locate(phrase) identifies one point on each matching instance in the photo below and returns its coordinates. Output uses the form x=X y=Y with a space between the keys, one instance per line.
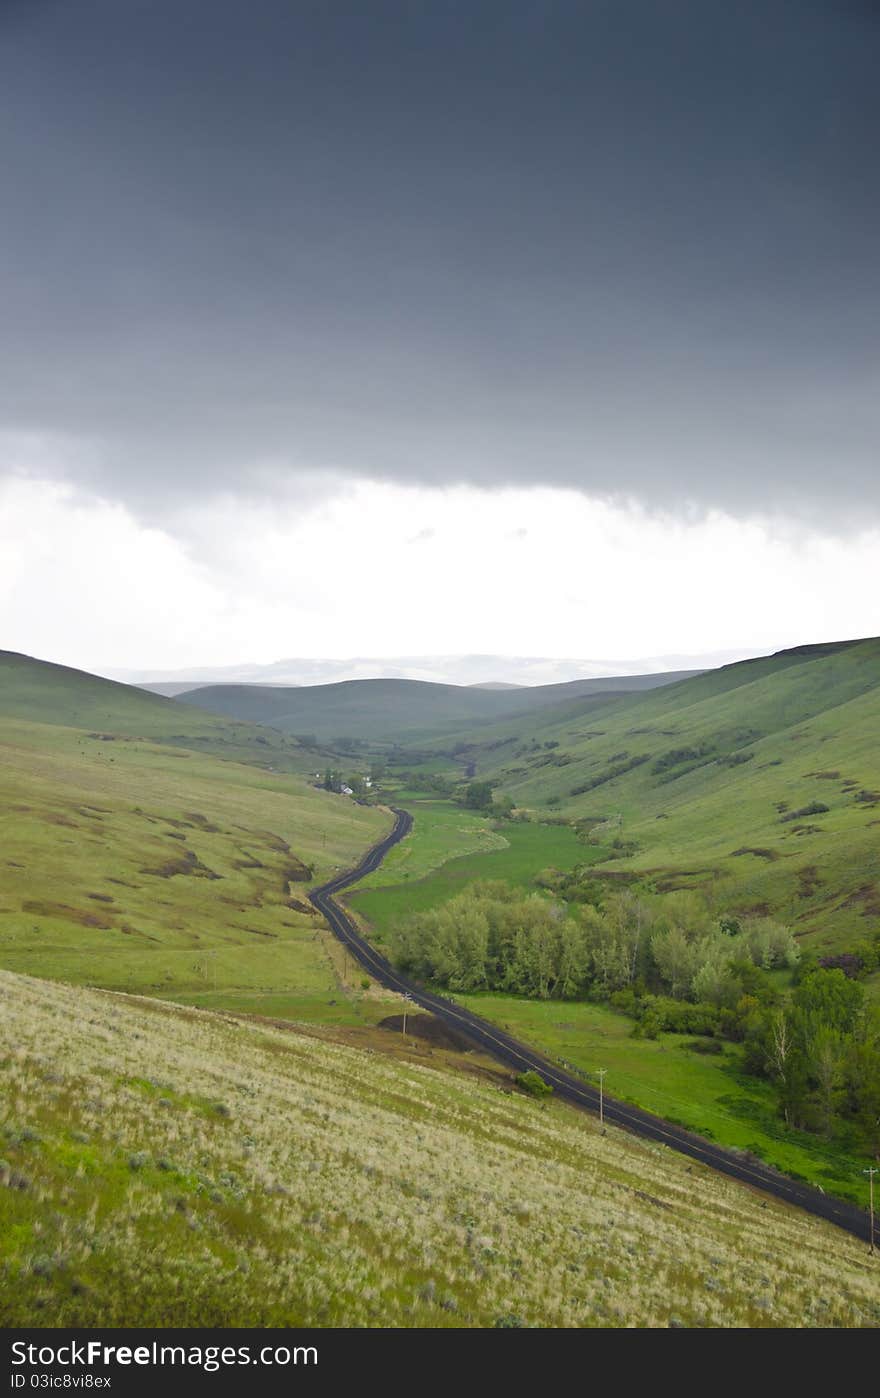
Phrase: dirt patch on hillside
x=375 y=1039
x=85 y=918
x=758 y=851
x=296 y=871
x=429 y=1030
x=188 y=864
x=672 y=880
x=809 y=881
x=869 y=798
x=867 y=897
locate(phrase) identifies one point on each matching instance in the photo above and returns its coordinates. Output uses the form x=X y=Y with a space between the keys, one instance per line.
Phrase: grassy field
x=526 y=849
x=135 y=863
x=704 y=1092
x=441 y=831
x=758 y=783
x=164 y=1166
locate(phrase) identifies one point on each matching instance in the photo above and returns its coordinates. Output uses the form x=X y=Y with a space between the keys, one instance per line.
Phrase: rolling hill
x=38 y=691
x=758 y=782
x=153 y=847
x=166 y=1167
x=388 y=709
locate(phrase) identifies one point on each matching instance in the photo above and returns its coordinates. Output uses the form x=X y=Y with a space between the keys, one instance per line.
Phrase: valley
x=151 y=849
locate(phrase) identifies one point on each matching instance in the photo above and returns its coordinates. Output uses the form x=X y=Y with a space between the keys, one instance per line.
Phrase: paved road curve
x=520 y=1057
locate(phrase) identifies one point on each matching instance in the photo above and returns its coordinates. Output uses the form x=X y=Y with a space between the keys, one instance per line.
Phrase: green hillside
x=40 y=692
x=759 y=783
x=387 y=709
x=137 y=853
x=171 y=1167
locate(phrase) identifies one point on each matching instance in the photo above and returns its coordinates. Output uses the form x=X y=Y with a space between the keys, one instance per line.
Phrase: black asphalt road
x=571 y=1089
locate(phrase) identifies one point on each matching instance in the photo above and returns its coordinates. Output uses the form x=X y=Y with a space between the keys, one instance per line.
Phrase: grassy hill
x=386 y=709
x=759 y=782
x=41 y=692
x=159 y=849
x=172 y=1167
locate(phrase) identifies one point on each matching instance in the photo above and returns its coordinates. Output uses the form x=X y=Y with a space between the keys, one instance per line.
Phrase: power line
x=871 y=1172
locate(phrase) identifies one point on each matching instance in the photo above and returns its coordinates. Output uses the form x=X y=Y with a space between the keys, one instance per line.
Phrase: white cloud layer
x=377 y=569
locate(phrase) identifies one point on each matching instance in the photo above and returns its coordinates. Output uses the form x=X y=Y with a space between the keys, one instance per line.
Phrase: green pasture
x=527 y=849
x=704 y=1092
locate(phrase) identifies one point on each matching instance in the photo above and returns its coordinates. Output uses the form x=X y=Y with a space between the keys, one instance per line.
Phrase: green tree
x=861 y=1075
x=677 y=960
x=478 y=796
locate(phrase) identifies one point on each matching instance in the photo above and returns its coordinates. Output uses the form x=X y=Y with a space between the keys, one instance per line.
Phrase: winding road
x=520 y=1057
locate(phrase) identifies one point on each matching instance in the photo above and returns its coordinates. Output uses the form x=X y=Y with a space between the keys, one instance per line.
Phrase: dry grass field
x=168 y=1166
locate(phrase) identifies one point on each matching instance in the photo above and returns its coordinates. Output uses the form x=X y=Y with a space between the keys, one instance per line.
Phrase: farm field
x=441 y=831
x=170 y=1166
x=526 y=849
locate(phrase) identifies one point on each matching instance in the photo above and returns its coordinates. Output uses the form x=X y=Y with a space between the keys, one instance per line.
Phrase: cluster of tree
x=671 y=966
x=821 y=1049
x=477 y=796
x=494 y=937
x=480 y=796
x=676 y=946
x=333 y=780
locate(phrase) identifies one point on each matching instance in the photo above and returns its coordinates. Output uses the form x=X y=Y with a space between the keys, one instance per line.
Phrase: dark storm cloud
x=628 y=246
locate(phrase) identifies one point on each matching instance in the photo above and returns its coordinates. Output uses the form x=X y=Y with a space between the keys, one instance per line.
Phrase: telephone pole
x=405 y=1008
x=871 y=1172
x=601 y=1072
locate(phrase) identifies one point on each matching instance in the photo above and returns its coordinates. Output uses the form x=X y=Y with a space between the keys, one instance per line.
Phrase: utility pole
x=405 y=1006
x=870 y=1173
x=602 y=1072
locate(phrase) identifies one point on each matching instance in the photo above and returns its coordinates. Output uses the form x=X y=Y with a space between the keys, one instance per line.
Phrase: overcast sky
x=538 y=327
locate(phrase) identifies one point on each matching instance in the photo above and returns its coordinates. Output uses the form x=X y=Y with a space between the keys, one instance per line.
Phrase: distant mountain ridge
x=466 y=670
x=388 y=709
